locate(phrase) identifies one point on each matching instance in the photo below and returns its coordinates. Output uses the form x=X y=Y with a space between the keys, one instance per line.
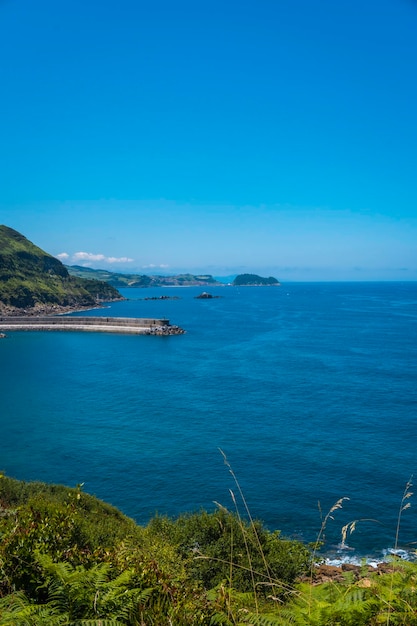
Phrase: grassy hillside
x=66 y=556
x=69 y=558
x=32 y=279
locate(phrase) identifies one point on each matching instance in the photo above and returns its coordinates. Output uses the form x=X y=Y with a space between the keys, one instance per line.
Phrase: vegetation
x=142 y=280
x=68 y=558
x=253 y=280
x=64 y=555
x=31 y=278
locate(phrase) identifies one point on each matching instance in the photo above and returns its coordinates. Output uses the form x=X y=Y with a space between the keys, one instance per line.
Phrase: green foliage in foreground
x=68 y=558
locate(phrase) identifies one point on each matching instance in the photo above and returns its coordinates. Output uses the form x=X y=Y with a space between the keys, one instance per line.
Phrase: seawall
x=126 y=325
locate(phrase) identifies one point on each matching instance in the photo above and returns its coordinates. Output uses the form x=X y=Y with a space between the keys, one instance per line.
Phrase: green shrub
x=221 y=547
x=61 y=522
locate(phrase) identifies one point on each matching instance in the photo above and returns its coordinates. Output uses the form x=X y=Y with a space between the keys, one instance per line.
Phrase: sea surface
x=309 y=389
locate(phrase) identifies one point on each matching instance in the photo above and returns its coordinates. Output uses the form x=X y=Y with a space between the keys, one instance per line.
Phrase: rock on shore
x=326 y=573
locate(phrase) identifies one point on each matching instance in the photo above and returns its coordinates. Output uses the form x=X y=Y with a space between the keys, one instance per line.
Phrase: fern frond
x=261 y=620
x=100 y=622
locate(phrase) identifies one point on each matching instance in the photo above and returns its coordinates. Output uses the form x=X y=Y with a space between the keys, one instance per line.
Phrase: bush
x=221 y=547
x=61 y=522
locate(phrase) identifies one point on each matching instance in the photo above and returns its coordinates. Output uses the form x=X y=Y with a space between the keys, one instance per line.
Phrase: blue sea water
x=308 y=388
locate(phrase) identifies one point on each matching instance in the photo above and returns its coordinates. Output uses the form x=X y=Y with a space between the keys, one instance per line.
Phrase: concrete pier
x=125 y=325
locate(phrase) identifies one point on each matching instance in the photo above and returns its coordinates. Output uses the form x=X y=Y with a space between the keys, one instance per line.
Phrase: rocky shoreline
x=41 y=309
x=332 y=573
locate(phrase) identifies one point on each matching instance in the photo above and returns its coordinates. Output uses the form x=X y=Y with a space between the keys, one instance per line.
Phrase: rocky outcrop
x=162 y=298
x=324 y=573
x=206 y=296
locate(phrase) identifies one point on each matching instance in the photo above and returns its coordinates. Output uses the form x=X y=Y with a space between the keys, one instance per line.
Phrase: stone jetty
x=125 y=325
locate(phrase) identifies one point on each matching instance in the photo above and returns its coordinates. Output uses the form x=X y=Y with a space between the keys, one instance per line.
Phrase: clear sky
x=270 y=136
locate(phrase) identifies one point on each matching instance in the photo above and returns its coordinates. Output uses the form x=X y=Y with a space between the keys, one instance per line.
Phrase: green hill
x=34 y=280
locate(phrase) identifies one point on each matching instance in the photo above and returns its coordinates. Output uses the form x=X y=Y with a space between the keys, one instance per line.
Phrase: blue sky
x=276 y=136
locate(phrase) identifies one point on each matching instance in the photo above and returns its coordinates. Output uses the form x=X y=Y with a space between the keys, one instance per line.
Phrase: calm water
x=310 y=389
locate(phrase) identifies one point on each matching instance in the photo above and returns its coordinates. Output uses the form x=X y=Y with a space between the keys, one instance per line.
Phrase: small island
x=253 y=280
x=206 y=296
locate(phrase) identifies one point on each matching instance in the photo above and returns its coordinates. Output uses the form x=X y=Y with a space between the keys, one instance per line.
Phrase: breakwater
x=126 y=325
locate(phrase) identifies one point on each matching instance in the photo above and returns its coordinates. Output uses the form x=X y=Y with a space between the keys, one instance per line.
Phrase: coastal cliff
x=33 y=281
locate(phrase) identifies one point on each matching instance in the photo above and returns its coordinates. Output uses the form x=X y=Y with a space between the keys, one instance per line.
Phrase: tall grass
x=363 y=597
x=404 y=505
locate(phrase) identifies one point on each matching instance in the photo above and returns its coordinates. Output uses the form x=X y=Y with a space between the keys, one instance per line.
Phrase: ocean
x=309 y=389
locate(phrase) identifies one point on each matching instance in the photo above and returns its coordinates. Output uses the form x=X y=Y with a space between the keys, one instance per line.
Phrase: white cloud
x=153 y=266
x=87 y=258
x=63 y=256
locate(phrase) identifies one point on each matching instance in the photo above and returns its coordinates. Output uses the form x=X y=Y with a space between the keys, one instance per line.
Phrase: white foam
x=340 y=556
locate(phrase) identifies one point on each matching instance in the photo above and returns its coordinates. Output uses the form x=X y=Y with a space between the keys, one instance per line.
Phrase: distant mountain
x=142 y=280
x=34 y=280
x=253 y=280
